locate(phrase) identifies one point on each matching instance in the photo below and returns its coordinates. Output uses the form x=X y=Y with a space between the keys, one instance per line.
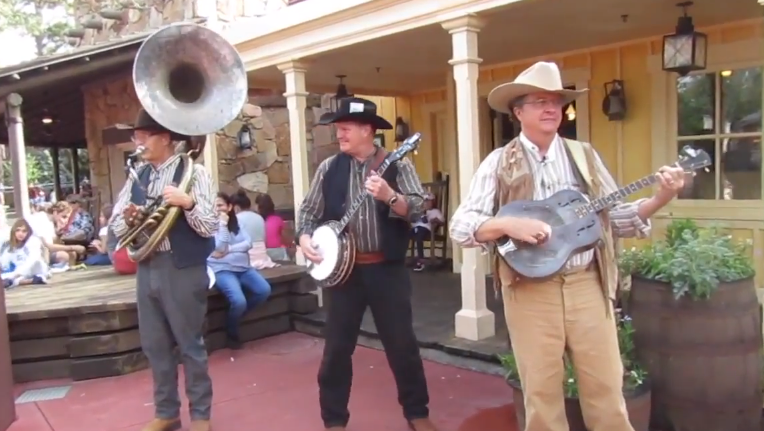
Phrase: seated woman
x=21 y=258
x=253 y=225
x=101 y=254
x=61 y=254
x=274 y=228
x=77 y=226
x=241 y=284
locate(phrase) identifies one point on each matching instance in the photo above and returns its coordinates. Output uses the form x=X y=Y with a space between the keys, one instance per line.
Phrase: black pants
x=420 y=234
x=386 y=289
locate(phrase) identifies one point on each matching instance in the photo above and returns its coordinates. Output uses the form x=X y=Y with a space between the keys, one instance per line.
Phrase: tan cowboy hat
x=541 y=77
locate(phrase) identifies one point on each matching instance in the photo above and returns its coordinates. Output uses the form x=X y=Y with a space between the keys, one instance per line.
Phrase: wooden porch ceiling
x=51 y=87
x=418 y=59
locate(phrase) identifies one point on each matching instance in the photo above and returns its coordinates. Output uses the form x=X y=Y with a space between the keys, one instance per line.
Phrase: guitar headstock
x=410 y=144
x=691 y=159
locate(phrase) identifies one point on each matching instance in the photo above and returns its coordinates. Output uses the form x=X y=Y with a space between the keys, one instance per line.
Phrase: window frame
x=717 y=137
x=739 y=54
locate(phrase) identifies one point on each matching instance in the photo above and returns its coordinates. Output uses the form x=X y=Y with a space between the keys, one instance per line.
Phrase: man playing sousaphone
x=173 y=282
x=571 y=311
x=379 y=279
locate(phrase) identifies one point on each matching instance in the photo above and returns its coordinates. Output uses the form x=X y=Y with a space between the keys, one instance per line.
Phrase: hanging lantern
x=401 y=130
x=244 y=138
x=342 y=93
x=614 y=103
x=571 y=112
x=685 y=50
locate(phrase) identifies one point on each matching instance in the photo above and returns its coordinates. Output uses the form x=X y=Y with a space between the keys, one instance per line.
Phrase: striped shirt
x=202 y=217
x=551 y=173
x=364 y=225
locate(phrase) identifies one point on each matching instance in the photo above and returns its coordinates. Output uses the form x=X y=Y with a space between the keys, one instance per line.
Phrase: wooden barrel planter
x=704 y=356
x=637 y=405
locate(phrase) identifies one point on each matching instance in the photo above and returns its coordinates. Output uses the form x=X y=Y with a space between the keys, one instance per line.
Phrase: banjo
x=574 y=221
x=336 y=245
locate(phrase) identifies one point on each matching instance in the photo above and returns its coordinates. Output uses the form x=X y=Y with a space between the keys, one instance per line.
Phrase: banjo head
x=329 y=247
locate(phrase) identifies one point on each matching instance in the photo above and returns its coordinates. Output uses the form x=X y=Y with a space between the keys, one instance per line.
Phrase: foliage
x=46 y=21
x=693 y=260
x=634 y=375
x=40 y=166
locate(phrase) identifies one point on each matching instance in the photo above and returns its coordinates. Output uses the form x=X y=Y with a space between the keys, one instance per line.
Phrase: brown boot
x=200 y=426
x=163 y=425
x=423 y=424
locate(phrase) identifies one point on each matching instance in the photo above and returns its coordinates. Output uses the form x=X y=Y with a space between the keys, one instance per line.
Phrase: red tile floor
x=271 y=385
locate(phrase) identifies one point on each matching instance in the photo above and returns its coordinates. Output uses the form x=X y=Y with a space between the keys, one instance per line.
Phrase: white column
x=474 y=321
x=296 y=95
x=15 y=124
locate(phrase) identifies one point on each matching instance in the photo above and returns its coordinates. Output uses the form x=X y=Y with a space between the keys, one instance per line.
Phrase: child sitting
x=422 y=229
x=102 y=252
x=21 y=258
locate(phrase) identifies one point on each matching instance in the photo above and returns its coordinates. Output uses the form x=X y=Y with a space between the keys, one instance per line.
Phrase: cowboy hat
x=542 y=77
x=357 y=110
x=144 y=121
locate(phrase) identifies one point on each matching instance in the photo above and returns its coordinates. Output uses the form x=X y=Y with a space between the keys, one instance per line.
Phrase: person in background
x=79 y=225
x=241 y=284
x=422 y=229
x=103 y=247
x=44 y=227
x=274 y=228
x=21 y=257
x=253 y=224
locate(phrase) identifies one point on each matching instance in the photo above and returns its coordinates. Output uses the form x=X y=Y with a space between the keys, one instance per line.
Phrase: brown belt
x=369 y=258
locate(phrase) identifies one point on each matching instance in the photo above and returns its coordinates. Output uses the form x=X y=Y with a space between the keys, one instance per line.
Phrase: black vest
x=394 y=232
x=187 y=247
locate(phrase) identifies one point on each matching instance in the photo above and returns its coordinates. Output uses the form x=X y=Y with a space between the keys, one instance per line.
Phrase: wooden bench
x=84 y=324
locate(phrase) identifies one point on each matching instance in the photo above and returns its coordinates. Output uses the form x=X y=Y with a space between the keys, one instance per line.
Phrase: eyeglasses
x=546 y=103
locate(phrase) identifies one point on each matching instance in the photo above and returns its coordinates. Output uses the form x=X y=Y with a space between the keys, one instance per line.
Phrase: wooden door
x=7 y=408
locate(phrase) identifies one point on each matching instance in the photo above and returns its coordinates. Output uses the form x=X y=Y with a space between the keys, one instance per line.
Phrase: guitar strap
x=578 y=154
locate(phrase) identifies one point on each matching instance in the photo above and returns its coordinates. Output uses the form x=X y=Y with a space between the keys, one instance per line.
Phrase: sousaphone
x=192 y=82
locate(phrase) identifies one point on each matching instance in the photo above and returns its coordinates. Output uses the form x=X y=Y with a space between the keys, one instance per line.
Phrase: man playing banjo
x=571 y=311
x=379 y=279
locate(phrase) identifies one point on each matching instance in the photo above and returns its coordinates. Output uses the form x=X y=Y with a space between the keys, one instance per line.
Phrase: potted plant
x=636 y=388
x=697 y=328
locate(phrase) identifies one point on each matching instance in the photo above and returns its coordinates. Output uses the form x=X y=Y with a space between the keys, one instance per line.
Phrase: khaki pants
x=546 y=318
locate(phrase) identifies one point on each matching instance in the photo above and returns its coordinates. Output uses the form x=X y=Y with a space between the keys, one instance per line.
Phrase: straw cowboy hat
x=541 y=77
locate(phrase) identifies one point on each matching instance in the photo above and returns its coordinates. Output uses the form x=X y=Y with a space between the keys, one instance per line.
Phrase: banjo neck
x=361 y=199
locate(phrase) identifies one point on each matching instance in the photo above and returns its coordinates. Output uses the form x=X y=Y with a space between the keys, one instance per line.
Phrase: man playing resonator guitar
x=571 y=310
x=379 y=279
x=173 y=282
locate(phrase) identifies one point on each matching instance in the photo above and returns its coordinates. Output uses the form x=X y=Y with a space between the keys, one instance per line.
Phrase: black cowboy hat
x=144 y=121
x=356 y=110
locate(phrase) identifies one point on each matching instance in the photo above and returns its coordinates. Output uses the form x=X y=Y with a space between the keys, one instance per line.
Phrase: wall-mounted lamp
x=570 y=112
x=245 y=138
x=614 y=103
x=725 y=73
x=686 y=49
x=401 y=130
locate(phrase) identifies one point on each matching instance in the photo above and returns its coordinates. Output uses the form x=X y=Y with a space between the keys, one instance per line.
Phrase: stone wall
x=142 y=15
x=266 y=168
x=106 y=103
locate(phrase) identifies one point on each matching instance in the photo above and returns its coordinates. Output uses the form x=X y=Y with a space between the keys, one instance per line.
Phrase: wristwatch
x=393 y=200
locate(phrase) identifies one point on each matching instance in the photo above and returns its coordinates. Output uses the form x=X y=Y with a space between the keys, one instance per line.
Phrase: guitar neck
x=361 y=199
x=619 y=195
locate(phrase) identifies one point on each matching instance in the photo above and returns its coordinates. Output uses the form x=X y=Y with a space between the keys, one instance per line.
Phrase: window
x=720 y=112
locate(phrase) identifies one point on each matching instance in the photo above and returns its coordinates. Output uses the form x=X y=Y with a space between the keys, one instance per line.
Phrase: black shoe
x=233 y=343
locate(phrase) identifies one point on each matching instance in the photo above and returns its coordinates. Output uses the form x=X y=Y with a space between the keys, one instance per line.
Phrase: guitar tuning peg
x=707 y=170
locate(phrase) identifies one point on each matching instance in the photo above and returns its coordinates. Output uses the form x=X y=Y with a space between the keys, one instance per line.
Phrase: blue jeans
x=98 y=259
x=244 y=291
